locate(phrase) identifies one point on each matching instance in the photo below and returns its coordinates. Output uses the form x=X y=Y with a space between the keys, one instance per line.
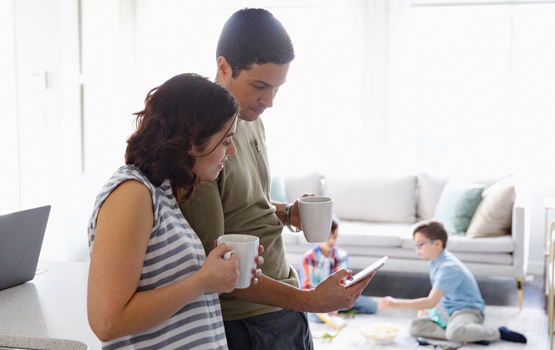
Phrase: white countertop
x=52 y=305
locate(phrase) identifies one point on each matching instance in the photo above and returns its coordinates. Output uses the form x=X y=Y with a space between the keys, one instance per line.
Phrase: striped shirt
x=316 y=267
x=174 y=252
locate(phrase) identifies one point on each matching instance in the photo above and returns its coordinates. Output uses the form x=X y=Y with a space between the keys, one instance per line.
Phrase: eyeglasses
x=419 y=245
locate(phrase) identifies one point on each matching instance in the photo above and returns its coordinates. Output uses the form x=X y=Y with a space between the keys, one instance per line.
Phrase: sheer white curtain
x=384 y=21
x=332 y=115
x=475 y=92
x=376 y=85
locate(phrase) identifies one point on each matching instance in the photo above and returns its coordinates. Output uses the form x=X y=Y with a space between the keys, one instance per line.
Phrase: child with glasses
x=322 y=261
x=460 y=315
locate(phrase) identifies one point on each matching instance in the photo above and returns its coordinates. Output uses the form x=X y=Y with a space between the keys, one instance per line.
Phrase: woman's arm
x=124 y=225
x=415 y=304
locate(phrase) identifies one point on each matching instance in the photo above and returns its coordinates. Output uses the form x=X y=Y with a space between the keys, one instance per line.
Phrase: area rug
x=529 y=322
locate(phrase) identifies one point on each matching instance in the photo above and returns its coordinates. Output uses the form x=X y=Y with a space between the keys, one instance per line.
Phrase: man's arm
x=415 y=304
x=295 y=218
x=328 y=296
x=205 y=214
x=280 y=208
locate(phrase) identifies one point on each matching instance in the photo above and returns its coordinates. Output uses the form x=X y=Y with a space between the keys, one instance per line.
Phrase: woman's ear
x=193 y=151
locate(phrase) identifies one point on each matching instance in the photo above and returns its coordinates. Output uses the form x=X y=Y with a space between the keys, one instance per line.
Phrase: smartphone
x=366 y=272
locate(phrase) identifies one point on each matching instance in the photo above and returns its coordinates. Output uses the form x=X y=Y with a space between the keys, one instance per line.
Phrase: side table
x=549 y=268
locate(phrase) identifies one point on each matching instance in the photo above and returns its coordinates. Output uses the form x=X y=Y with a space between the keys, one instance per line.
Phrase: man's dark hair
x=254 y=36
x=431 y=229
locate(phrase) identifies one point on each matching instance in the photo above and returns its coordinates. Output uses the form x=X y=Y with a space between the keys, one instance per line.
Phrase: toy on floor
x=335 y=321
x=443 y=345
x=350 y=314
x=327 y=336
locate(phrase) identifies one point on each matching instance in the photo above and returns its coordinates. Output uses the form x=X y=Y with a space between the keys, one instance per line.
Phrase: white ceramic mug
x=246 y=249
x=316 y=213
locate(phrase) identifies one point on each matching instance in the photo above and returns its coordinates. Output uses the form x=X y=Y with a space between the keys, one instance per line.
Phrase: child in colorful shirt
x=322 y=261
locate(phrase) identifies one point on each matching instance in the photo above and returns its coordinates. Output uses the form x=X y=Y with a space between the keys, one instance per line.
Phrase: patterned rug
x=530 y=322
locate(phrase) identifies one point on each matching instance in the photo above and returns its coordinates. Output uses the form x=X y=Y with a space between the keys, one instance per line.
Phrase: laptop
x=21 y=236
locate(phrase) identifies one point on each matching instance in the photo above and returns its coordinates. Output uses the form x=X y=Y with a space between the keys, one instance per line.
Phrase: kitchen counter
x=52 y=305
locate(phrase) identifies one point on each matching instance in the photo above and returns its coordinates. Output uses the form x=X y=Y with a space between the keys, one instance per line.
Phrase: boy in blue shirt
x=455 y=286
x=326 y=259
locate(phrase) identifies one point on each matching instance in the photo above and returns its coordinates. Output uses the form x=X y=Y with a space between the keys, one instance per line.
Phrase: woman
x=150 y=281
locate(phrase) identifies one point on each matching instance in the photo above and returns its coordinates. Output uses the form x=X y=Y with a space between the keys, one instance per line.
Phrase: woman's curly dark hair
x=184 y=111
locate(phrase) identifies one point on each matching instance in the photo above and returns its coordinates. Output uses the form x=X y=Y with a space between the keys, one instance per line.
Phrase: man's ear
x=224 y=68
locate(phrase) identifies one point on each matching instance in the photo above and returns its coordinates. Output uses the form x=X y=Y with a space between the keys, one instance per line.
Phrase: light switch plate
x=38 y=80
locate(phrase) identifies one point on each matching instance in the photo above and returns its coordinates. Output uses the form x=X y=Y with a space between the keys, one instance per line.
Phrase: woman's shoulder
x=127 y=171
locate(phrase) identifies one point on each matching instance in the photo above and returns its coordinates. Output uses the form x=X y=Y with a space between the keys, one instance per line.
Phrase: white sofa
x=376 y=214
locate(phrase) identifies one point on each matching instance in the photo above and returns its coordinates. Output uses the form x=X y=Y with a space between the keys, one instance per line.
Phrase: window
x=373 y=87
x=476 y=90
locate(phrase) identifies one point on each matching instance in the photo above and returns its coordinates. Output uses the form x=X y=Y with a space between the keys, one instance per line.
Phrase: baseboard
x=535 y=267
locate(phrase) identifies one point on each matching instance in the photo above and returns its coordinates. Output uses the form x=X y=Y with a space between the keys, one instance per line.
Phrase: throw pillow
x=494 y=215
x=277 y=190
x=429 y=190
x=298 y=184
x=457 y=204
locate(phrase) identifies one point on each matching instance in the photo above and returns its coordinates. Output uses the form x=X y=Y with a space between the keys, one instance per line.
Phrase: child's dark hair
x=334 y=223
x=431 y=229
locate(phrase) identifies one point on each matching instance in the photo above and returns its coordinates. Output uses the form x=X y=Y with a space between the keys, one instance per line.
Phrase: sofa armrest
x=521 y=238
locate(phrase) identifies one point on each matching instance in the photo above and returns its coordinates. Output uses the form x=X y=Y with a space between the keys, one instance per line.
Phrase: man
x=253 y=57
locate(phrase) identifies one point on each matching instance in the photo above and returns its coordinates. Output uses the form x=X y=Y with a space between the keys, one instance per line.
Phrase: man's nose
x=267 y=98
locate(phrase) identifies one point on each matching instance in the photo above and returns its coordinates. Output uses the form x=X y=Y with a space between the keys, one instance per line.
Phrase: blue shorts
x=284 y=329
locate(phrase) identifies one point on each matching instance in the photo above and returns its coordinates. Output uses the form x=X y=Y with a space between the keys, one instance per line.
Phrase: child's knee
x=454 y=333
x=416 y=325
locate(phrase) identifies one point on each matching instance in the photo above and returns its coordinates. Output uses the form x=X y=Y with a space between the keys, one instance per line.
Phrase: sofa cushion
x=299 y=184
x=371 y=234
x=289 y=237
x=395 y=252
x=358 y=233
x=429 y=190
x=457 y=204
x=502 y=244
x=373 y=198
x=494 y=214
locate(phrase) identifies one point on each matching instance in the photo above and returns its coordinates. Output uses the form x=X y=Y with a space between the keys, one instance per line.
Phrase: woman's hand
x=259 y=261
x=217 y=274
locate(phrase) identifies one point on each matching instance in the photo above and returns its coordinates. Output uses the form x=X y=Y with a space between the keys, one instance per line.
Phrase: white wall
x=40 y=130
x=45 y=142
x=9 y=140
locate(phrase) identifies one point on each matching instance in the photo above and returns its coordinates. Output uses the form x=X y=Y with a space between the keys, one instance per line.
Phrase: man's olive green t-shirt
x=238 y=202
